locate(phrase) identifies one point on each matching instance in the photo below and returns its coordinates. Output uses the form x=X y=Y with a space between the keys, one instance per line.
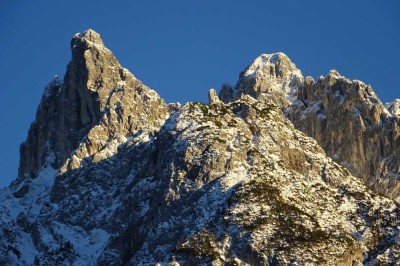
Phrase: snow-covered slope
x=196 y=184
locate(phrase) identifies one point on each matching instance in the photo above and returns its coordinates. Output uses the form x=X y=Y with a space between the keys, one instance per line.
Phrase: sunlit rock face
x=274 y=75
x=97 y=101
x=112 y=175
x=353 y=126
x=345 y=116
x=394 y=107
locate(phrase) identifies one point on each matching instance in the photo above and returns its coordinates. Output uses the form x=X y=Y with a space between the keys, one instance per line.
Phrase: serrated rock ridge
x=271 y=74
x=125 y=179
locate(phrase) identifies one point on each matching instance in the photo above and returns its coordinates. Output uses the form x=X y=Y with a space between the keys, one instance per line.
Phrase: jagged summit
x=394 y=107
x=327 y=110
x=272 y=74
x=63 y=119
x=89 y=37
x=275 y=65
x=333 y=73
x=93 y=85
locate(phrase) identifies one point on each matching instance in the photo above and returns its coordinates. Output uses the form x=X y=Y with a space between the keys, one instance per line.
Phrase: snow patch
x=88 y=245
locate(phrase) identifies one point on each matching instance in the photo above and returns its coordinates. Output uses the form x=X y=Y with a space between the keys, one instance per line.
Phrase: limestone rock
x=140 y=182
x=346 y=117
x=271 y=74
x=213 y=97
x=394 y=107
x=96 y=91
x=353 y=126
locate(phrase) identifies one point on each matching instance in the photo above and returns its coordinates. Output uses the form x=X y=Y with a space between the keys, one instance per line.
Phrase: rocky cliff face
x=354 y=127
x=139 y=182
x=69 y=109
x=394 y=107
x=274 y=75
x=92 y=106
x=346 y=117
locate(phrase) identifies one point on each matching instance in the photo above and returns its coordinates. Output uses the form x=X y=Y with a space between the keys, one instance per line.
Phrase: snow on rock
x=232 y=182
x=350 y=122
x=24 y=211
x=274 y=75
x=394 y=107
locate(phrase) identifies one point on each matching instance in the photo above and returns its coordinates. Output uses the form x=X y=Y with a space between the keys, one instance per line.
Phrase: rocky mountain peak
x=394 y=107
x=94 y=61
x=95 y=89
x=327 y=110
x=350 y=122
x=273 y=65
x=332 y=76
x=88 y=38
x=274 y=75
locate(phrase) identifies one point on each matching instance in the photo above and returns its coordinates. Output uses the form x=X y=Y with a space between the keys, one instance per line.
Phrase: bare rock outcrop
x=394 y=107
x=353 y=126
x=271 y=74
x=96 y=90
x=345 y=116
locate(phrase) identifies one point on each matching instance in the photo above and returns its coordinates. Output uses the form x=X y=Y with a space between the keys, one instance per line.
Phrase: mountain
x=112 y=175
x=353 y=126
x=345 y=117
x=274 y=75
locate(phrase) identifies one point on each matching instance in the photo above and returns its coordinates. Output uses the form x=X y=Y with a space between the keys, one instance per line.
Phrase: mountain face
x=345 y=117
x=278 y=170
x=98 y=103
x=270 y=74
x=353 y=126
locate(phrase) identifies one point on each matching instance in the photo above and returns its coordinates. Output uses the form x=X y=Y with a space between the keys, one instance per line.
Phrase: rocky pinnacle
x=94 y=86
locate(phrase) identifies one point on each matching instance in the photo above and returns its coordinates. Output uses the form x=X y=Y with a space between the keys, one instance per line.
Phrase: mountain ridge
x=232 y=182
x=319 y=107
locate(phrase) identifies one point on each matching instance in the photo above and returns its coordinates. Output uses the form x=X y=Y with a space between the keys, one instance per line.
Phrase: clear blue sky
x=182 y=48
